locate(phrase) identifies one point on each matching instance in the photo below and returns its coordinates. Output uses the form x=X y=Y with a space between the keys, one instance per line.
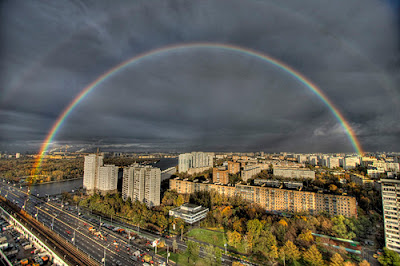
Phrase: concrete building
x=362 y=180
x=375 y=172
x=233 y=167
x=142 y=183
x=350 y=162
x=313 y=160
x=294 y=173
x=108 y=179
x=195 y=160
x=275 y=199
x=220 y=175
x=301 y=158
x=190 y=213
x=91 y=172
x=391 y=212
x=17 y=155
x=249 y=171
x=333 y=162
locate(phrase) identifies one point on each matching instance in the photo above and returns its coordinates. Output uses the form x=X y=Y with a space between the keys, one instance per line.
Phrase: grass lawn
x=212 y=237
x=178 y=258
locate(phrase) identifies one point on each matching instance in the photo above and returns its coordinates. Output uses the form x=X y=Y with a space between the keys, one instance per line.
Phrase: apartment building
x=294 y=173
x=276 y=199
x=220 y=175
x=350 y=162
x=333 y=162
x=233 y=167
x=391 y=212
x=195 y=160
x=108 y=179
x=142 y=183
x=98 y=177
x=249 y=171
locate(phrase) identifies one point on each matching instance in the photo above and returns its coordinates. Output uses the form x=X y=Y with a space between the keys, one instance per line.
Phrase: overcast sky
x=200 y=98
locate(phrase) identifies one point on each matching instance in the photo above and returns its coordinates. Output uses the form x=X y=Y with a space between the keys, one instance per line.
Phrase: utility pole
x=167 y=254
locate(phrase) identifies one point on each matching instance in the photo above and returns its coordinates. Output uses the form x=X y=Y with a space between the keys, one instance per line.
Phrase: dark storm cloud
x=203 y=99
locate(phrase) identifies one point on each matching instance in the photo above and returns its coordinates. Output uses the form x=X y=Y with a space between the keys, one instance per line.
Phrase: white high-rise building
x=17 y=155
x=91 y=172
x=350 y=162
x=108 y=179
x=195 y=160
x=333 y=162
x=142 y=183
x=391 y=213
x=98 y=177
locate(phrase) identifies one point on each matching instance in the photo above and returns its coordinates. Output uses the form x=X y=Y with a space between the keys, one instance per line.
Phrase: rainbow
x=136 y=59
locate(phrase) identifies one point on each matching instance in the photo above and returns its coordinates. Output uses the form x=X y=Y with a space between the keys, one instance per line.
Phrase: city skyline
x=203 y=98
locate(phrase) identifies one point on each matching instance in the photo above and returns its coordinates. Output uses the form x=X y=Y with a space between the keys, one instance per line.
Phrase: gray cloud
x=203 y=98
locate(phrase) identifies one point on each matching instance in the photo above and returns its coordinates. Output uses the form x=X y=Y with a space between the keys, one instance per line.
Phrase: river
x=74 y=185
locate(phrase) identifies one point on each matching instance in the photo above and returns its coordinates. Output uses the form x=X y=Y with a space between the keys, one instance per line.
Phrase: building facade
x=220 y=175
x=91 y=172
x=195 y=160
x=391 y=212
x=233 y=167
x=142 y=183
x=249 y=171
x=350 y=162
x=294 y=173
x=276 y=199
x=190 y=213
x=333 y=162
x=108 y=179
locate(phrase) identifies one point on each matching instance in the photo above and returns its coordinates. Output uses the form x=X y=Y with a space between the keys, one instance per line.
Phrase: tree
x=304 y=239
x=192 y=251
x=289 y=252
x=313 y=257
x=218 y=256
x=364 y=263
x=209 y=250
x=174 y=246
x=336 y=260
x=332 y=187
x=180 y=200
x=234 y=238
x=254 y=227
x=389 y=257
x=273 y=253
x=341 y=227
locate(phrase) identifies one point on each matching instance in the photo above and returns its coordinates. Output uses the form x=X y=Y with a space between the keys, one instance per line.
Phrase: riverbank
x=52 y=182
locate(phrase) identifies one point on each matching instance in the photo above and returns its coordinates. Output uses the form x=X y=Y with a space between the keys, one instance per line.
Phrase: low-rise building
x=190 y=213
x=294 y=173
x=362 y=180
x=276 y=199
x=249 y=171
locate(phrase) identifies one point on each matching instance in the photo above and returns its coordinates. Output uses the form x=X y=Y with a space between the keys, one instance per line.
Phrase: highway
x=67 y=225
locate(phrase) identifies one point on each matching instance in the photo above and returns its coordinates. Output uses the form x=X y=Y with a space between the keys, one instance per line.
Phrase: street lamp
x=104 y=258
x=73 y=239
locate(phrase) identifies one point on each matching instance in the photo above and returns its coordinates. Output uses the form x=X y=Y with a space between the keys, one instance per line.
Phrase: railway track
x=64 y=249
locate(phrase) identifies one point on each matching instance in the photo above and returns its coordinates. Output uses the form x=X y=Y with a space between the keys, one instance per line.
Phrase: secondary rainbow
x=136 y=59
